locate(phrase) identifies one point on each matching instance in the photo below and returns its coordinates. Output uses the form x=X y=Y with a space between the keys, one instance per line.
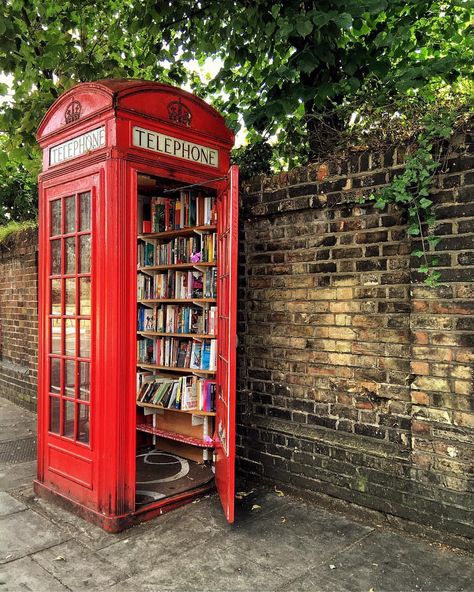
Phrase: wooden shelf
x=189 y=411
x=178 y=232
x=175 y=369
x=149 y=429
x=178 y=266
x=190 y=335
x=178 y=300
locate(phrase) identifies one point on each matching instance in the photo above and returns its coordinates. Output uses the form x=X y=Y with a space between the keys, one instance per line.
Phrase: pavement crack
x=54 y=576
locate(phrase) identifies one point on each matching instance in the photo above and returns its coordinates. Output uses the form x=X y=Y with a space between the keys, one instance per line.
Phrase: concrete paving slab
x=24 y=574
x=171 y=534
x=24 y=533
x=88 y=534
x=9 y=505
x=15 y=431
x=202 y=567
x=11 y=412
x=385 y=560
x=292 y=538
x=77 y=567
x=317 y=582
x=15 y=422
x=268 y=501
x=14 y=476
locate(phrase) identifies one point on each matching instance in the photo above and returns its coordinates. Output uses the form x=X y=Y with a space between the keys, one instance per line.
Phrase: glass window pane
x=84 y=380
x=83 y=424
x=56 y=341
x=70 y=297
x=85 y=253
x=55 y=217
x=69 y=377
x=84 y=339
x=85 y=211
x=54 y=411
x=56 y=297
x=70 y=219
x=56 y=257
x=55 y=376
x=85 y=296
x=70 y=255
x=70 y=325
x=68 y=419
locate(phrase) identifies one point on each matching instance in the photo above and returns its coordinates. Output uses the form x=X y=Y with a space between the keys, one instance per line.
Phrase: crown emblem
x=73 y=111
x=179 y=113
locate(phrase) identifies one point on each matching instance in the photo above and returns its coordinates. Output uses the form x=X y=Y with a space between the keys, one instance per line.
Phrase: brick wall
x=355 y=379
x=19 y=318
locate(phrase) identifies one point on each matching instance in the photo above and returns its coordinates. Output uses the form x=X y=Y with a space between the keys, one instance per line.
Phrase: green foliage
x=411 y=189
x=290 y=64
x=293 y=71
x=253 y=159
x=13 y=228
x=18 y=193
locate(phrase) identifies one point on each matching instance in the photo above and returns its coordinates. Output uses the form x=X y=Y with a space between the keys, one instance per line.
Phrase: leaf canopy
x=290 y=71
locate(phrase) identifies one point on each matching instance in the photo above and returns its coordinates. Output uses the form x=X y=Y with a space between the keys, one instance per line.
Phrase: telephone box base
x=114 y=524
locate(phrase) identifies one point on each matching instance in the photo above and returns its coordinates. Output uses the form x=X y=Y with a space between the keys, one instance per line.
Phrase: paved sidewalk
x=278 y=543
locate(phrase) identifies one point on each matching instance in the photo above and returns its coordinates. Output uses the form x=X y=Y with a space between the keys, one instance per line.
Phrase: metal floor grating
x=18 y=451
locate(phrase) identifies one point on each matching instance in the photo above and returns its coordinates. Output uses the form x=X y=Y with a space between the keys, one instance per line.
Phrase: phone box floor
x=163 y=474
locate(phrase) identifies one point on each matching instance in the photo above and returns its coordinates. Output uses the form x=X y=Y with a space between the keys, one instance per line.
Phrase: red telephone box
x=137 y=302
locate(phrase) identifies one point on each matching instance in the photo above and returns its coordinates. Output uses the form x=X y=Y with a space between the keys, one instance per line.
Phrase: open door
x=227 y=236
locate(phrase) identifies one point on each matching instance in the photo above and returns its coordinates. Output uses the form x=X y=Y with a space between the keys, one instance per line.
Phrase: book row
x=194 y=249
x=172 y=213
x=176 y=318
x=177 y=352
x=177 y=284
x=186 y=392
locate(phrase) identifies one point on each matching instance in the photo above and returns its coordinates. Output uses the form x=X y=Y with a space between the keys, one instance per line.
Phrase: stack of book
x=194 y=249
x=186 y=392
x=178 y=353
x=189 y=209
x=176 y=318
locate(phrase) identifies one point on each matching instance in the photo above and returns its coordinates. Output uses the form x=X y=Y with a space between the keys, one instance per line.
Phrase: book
x=206 y=355
x=189 y=398
x=196 y=353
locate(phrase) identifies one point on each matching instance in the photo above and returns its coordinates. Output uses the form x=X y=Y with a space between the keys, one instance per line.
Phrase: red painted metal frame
x=107 y=496
x=227 y=233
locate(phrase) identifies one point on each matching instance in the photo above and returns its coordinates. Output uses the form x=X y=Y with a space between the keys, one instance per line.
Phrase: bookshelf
x=177 y=266
x=177 y=317
x=174 y=368
x=178 y=300
x=177 y=436
x=194 y=412
x=164 y=334
x=188 y=231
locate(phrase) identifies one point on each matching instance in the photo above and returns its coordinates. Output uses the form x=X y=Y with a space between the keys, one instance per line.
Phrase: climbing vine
x=411 y=189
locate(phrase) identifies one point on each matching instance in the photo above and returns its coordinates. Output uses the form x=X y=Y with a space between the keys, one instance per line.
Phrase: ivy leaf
x=344 y=20
x=413 y=230
x=425 y=203
x=433 y=241
x=417 y=253
x=304 y=27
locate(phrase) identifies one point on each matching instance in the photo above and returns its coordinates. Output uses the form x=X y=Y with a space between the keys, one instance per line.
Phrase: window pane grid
x=70 y=317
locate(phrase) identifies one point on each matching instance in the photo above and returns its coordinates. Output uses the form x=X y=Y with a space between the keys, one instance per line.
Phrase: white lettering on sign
x=77 y=146
x=157 y=142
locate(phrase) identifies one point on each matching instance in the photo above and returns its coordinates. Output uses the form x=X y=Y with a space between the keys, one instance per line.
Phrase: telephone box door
x=227 y=233
x=65 y=348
